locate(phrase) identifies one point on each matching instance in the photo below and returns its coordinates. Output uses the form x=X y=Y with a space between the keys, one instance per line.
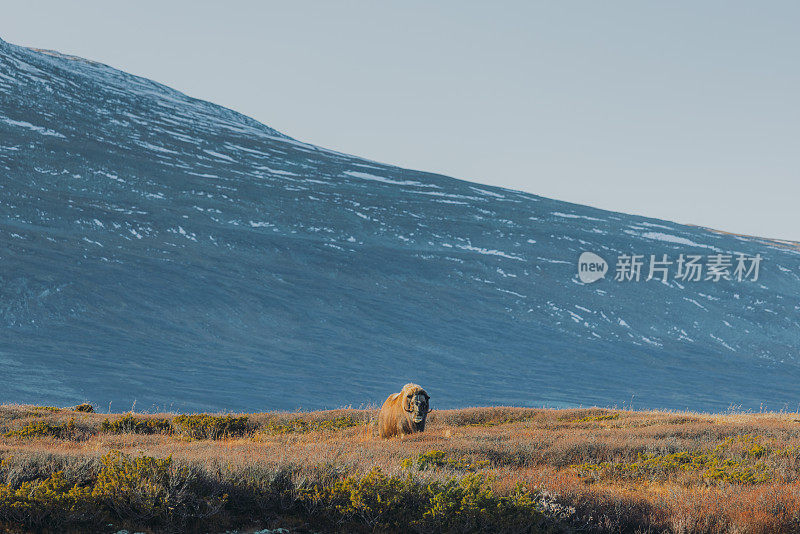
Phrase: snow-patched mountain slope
x=164 y=250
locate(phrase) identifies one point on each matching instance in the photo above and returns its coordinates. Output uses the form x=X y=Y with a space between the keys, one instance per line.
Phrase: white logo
x=591 y=267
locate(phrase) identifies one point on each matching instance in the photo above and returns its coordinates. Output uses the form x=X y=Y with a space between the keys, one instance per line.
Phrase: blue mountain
x=165 y=251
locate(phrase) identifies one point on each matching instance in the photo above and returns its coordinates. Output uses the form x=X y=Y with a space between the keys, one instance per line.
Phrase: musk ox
x=404 y=412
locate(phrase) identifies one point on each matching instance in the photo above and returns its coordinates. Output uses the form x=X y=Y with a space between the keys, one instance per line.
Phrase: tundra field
x=472 y=470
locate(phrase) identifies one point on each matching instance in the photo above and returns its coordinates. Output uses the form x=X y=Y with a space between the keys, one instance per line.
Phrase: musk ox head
x=416 y=402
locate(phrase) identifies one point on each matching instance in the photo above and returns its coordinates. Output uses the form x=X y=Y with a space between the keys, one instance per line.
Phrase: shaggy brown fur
x=404 y=412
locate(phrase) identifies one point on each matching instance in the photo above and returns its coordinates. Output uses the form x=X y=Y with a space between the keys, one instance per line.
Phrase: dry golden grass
x=592 y=469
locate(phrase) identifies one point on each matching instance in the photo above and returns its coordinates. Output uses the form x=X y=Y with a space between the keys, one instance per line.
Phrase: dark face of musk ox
x=416 y=404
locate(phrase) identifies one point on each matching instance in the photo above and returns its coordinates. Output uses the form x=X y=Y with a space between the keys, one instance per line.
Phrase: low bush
x=159 y=495
x=46 y=409
x=205 y=426
x=148 y=490
x=131 y=490
x=438 y=459
x=130 y=424
x=722 y=464
x=301 y=426
x=49 y=502
x=402 y=504
x=488 y=417
x=596 y=418
x=43 y=428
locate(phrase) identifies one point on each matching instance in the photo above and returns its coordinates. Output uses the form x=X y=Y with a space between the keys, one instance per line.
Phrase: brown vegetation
x=491 y=469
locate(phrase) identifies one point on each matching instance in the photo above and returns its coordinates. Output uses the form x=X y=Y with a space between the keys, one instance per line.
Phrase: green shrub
x=43 y=428
x=136 y=490
x=470 y=505
x=401 y=504
x=605 y=417
x=158 y=495
x=301 y=426
x=46 y=409
x=85 y=408
x=130 y=424
x=490 y=417
x=205 y=426
x=151 y=490
x=592 y=418
x=720 y=464
x=47 y=503
x=377 y=500
x=434 y=459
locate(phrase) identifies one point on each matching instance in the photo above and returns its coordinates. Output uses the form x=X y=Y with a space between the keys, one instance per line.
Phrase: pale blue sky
x=687 y=111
